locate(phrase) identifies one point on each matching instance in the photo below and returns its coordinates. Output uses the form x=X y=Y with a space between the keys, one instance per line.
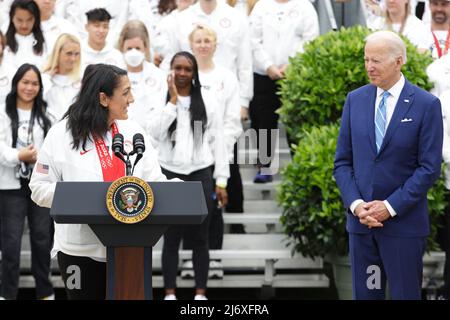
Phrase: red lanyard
x=112 y=167
x=438 y=46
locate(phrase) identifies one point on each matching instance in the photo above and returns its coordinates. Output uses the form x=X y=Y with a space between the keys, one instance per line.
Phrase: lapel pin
x=406 y=100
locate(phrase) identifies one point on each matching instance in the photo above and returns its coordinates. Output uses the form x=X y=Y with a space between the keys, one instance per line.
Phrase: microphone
x=138 y=148
x=117 y=146
x=138 y=144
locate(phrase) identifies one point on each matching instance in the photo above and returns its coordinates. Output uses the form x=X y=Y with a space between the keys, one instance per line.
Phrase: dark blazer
x=407 y=165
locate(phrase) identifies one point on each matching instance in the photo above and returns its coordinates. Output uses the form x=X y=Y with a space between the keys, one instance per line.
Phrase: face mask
x=134 y=57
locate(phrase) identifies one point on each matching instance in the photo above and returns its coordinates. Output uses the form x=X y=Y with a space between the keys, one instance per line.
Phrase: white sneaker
x=1 y=298
x=50 y=297
x=215 y=270
x=187 y=270
x=170 y=297
x=200 y=297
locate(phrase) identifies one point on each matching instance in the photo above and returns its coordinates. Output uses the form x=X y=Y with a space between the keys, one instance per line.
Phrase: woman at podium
x=72 y=151
x=191 y=147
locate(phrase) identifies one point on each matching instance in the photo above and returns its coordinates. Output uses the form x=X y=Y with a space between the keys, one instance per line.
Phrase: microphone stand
x=129 y=167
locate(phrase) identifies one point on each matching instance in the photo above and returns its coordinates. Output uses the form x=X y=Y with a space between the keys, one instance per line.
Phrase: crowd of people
x=191 y=72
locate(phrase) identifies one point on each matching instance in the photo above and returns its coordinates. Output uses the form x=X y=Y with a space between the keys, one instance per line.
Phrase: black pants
x=197 y=235
x=16 y=205
x=84 y=278
x=262 y=115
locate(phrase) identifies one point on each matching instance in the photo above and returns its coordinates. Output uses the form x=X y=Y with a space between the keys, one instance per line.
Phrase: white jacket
x=121 y=11
x=25 y=53
x=53 y=28
x=149 y=92
x=6 y=75
x=223 y=85
x=9 y=156
x=67 y=164
x=59 y=92
x=280 y=30
x=186 y=156
x=439 y=73
x=233 y=41
x=108 y=55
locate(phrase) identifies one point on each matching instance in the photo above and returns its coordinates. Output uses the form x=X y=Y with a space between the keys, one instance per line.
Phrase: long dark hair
x=31 y=7
x=39 y=105
x=86 y=116
x=197 y=108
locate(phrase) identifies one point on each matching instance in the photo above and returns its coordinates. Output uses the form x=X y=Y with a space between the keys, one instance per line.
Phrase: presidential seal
x=129 y=200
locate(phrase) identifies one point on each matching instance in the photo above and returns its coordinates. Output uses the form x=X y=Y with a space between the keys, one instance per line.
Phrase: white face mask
x=134 y=57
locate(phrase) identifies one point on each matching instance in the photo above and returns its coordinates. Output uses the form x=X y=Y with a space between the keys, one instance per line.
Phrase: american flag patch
x=42 y=168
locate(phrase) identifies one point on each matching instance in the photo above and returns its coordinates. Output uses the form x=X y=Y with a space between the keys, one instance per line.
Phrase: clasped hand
x=372 y=214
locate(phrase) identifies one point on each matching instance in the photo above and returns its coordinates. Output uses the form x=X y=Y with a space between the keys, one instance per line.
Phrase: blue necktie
x=380 y=121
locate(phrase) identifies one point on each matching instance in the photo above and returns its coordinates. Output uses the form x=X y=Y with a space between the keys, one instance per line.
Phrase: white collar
x=395 y=90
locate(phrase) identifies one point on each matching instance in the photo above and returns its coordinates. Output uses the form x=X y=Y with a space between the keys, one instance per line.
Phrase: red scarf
x=112 y=168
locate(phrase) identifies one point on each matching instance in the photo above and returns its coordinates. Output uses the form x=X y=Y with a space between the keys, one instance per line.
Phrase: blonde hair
x=210 y=32
x=250 y=4
x=135 y=29
x=53 y=59
x=407 y=13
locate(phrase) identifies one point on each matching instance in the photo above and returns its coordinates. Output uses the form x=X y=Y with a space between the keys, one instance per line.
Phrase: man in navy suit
x=388 y=155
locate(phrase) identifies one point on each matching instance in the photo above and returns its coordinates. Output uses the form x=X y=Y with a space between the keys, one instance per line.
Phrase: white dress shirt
x=391 y=102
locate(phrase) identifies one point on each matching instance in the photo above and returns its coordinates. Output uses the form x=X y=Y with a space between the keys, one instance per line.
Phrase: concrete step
x=257 y=206
x=228 y=281
x=252 y=218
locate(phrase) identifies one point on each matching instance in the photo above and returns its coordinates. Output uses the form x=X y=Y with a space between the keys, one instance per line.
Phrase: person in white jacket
x=121 y=11
x=190 y=141
x=233 y=41
x=24 y=38
x=53 y=26
x=164 y=39
x=70 y=153
x=62 y=75
x=96 y=49
x=224 y=86
x=279 y=30
x=148 y=83
x=24 y=123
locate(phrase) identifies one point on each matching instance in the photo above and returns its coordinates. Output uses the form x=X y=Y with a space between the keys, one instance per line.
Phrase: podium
x=129 y=246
